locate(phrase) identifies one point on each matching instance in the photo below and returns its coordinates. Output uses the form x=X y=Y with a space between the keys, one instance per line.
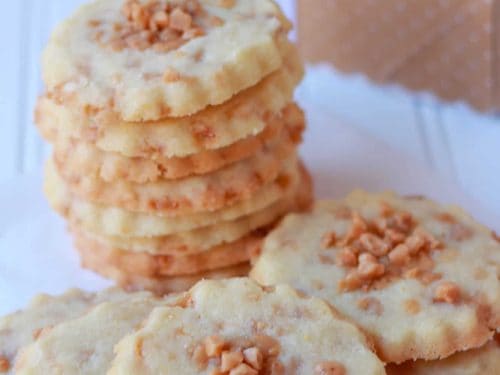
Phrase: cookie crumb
x=200 y=356
x=383 y=249
x=268 y=345
x=373 y=244
x=154 y=24
x=239 y=357
x=347 y=258
x=253 y=356
x=214 y=346
x=230 y=360
x=412 y=306
x=448 y=292
x=180 y=20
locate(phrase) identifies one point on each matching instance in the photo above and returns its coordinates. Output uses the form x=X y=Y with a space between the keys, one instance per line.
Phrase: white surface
x=36 y=253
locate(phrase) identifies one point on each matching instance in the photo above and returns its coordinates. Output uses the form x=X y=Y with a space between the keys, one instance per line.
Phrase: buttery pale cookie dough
x=419 y=278
x=482 y=361
x=85 y=345
x=246 y=114
x=237 y=327
x=115 y=221
x=149 y=60
x=98 y=255
x=209 y=192
x=282 y=133
x=102 y=256
x=44 y=311
x=202 y=239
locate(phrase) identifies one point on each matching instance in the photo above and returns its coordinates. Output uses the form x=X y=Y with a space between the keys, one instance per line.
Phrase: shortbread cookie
x=150 y=60
x=101 y=255
x=245 y=115
x=22 y=327
x=205 y=238
x=165 y=284
x=237 y=327
x=420 y=278
x=119 y=222
x=111 y=166
x=482 y=361
x=85 y=345
x=210 y=192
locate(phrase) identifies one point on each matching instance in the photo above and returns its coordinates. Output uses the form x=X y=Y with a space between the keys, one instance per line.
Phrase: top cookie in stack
x=174 y=133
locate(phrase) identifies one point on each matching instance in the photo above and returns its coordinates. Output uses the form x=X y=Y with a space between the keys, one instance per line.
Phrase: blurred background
x=454 y=140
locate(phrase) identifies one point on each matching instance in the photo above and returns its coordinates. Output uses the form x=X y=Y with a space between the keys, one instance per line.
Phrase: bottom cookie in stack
x=166 y=254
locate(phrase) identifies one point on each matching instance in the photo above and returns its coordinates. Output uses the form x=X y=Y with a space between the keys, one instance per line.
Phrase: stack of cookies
x=174 y=133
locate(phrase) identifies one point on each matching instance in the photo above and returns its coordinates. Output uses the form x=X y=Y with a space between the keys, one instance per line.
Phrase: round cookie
x=235 y=326
x=22 y=327
x=116 y=221
x=421 y=279
x=210 y=192
x=205 y=238
x=135 y=268
x=101 y=255
x=85 y=345
x=166 y=58
x=113 y=166
x=245 y=115
x=482 y=361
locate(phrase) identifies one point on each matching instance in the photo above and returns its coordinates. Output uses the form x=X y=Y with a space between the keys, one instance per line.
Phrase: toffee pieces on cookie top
x=388 y=247
x=237 y=327
x=163 y=26
x=396 y=266
x=247 y=357
x=250 y=357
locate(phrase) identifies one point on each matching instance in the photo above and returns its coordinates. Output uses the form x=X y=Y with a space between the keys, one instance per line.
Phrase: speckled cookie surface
x=149 y=60
x=209 y=192
x=202 y=239
x=22 y=327
x=85 y=345
x=235 y=326
x=421 y=279
x=245 y=115
x=100 y=255
x=109 y=166
x=116 y=221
